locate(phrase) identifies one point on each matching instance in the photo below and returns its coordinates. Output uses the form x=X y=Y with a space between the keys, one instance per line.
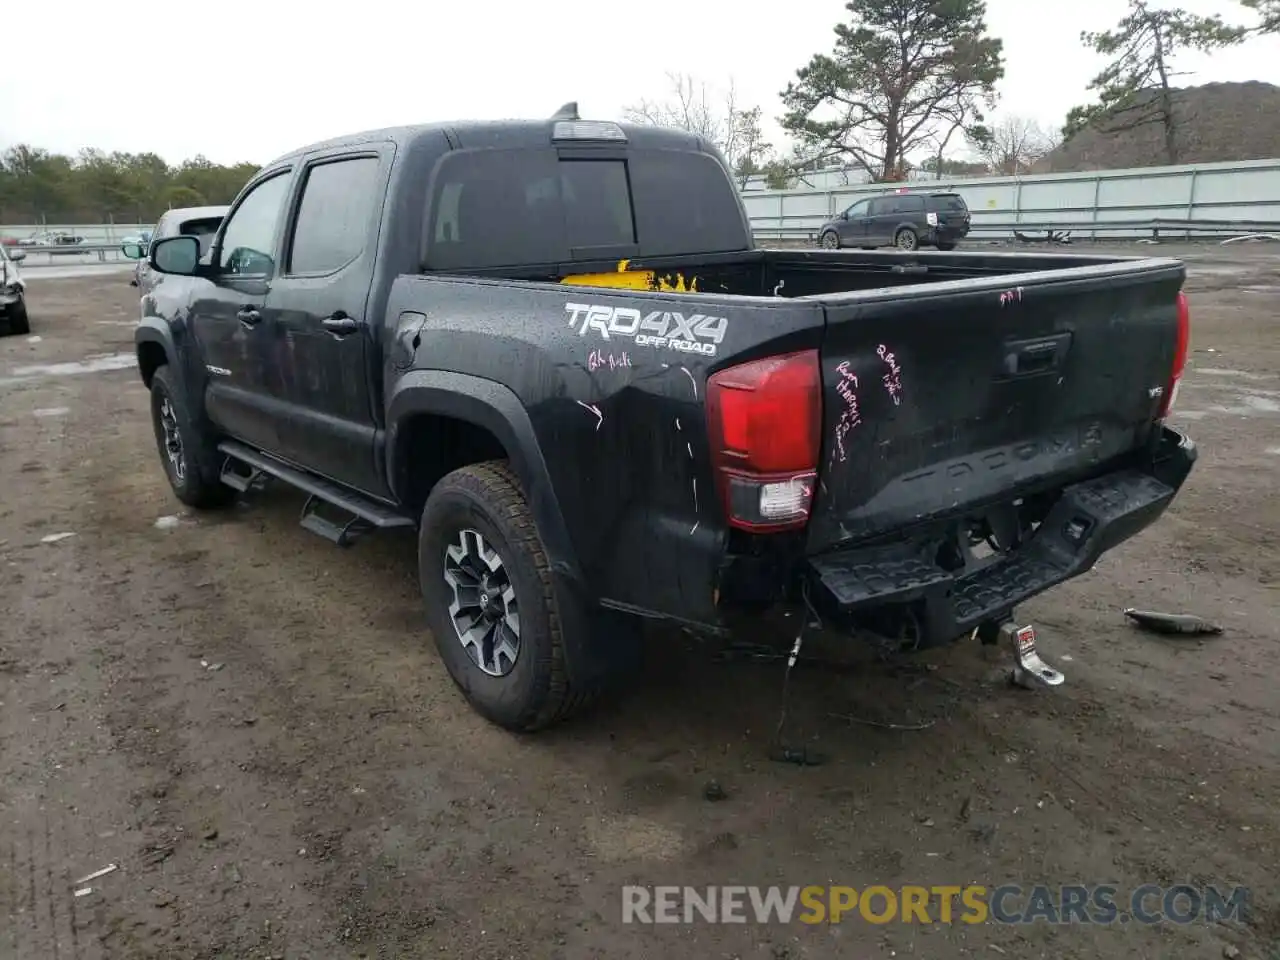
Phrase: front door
x=227 y=314
x=318 y=320
x=853 y=229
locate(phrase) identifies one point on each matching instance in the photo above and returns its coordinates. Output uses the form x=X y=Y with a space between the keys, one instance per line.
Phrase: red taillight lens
x=765 y=421
x=1181 y=348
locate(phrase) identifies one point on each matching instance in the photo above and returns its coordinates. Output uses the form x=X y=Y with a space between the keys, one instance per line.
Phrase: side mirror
x=133 y=251
x=844 y=215
x=17 y=254
x=176 y=255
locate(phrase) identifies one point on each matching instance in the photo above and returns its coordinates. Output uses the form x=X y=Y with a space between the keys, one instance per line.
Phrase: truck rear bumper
x=1089 y=518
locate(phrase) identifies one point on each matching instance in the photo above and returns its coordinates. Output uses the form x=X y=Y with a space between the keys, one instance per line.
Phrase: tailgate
x=943 y=397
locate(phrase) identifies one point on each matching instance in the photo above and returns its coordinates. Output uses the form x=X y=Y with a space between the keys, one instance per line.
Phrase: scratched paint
x=892 y=378
x=598 y=360
x=692 y=381
x=850 y=417
x=592 y=408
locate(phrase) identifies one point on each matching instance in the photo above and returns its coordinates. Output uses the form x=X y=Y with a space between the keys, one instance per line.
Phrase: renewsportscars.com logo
x=971 y=904
x=662 y=329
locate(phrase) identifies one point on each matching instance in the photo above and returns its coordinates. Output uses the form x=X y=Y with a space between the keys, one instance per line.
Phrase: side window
x=249 y=240
x=881 y=206
x=338 y=200
x=909 y=205
x=859 y=209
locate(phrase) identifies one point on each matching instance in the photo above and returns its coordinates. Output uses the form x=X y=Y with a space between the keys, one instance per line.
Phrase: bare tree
x=1012 y=145
x=714 y=115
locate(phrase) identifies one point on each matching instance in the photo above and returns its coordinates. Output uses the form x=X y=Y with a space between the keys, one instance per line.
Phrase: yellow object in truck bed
x=624 y=279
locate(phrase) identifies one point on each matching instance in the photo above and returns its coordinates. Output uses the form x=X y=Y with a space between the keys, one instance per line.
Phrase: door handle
x=248 y=316
x=340 y=325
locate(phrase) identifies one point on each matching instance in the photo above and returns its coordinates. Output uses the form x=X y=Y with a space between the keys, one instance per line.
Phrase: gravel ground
x=255 y=728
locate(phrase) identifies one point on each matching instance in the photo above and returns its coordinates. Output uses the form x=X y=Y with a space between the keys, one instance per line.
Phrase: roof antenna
x=568 y=112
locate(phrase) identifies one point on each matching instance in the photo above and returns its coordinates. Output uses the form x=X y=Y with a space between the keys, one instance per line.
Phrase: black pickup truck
x=552 y=347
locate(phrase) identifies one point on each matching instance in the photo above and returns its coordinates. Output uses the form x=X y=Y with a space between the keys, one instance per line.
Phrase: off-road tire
x=536 y=693
x=199 y=486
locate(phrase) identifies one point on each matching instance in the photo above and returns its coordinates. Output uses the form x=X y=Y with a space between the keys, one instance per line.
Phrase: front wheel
x=490 y=601
x=830 y=240
x=19 y=322
x=186 y=451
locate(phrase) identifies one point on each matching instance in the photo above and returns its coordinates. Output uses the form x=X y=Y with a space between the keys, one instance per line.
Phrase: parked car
x=552 y=347
x=903 y=219
x=13 y=291
x=199 y=222
x=58 y=240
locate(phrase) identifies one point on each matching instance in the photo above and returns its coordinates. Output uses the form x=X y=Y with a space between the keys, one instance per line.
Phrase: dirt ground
x=255 y=728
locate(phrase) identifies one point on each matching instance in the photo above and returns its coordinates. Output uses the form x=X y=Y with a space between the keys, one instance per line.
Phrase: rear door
x=939 y=397
x=952 y=213
x=882 y=221
x=316 y=321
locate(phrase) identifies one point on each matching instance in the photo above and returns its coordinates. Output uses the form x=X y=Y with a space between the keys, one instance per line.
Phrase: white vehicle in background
x=199 y=222
x=13 y=292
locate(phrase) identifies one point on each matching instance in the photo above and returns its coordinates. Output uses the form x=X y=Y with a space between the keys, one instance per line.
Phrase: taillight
x=765 y=422
x=1179 y=356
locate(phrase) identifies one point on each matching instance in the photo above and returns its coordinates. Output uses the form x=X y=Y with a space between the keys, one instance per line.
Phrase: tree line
x=907 y=83
x=95 y=187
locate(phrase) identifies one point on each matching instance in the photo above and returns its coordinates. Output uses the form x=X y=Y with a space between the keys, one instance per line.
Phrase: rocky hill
x=1216 y=122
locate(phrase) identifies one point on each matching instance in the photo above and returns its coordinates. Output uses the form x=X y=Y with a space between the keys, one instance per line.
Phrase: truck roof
x=496 y=133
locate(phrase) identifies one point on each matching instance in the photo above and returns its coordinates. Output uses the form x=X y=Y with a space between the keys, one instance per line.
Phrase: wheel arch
x=465 y=419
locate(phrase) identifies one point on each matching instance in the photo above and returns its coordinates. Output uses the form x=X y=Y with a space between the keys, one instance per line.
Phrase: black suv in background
x=904 y=220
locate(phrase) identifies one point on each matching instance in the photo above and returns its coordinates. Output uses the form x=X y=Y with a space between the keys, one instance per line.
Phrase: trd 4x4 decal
x=662 y=329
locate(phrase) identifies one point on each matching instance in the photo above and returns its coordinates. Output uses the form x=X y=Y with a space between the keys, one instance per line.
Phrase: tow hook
x=1029 y=670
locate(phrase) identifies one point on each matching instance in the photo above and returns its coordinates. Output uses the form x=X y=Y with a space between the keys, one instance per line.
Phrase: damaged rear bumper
x=1088 y=519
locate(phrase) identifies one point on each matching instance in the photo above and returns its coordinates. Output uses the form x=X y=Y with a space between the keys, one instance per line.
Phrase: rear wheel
x=906 y=239
x=830 y=240
x=187 y=451
x=490 y=601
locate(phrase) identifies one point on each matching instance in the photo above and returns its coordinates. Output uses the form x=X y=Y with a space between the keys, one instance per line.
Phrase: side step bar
x=361 y=513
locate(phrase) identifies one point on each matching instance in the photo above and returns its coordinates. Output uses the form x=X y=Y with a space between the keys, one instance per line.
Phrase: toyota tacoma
x=552 y=348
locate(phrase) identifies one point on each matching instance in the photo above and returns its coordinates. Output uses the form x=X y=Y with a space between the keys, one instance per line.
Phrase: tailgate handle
x=1024 y=358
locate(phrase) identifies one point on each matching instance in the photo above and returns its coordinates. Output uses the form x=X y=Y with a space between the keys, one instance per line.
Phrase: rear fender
x=497 y=409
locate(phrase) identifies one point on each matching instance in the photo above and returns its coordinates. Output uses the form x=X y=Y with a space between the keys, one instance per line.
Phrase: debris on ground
x=714 y=792
x=109 y=868
x=55 y=537
x=167 y=523
x=1172 y=623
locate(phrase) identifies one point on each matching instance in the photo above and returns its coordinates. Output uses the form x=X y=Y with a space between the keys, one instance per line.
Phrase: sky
x=252 y=81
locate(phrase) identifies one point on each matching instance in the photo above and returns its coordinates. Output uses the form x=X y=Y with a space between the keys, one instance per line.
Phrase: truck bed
x=956 y=387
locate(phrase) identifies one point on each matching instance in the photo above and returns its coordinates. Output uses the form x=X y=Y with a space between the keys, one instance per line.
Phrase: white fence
x=1082 y=202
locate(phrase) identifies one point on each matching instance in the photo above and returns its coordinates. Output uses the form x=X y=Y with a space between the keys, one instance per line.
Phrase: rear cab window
x=500 y=207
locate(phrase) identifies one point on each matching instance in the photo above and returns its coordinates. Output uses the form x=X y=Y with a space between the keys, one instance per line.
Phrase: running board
x=363 y=513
